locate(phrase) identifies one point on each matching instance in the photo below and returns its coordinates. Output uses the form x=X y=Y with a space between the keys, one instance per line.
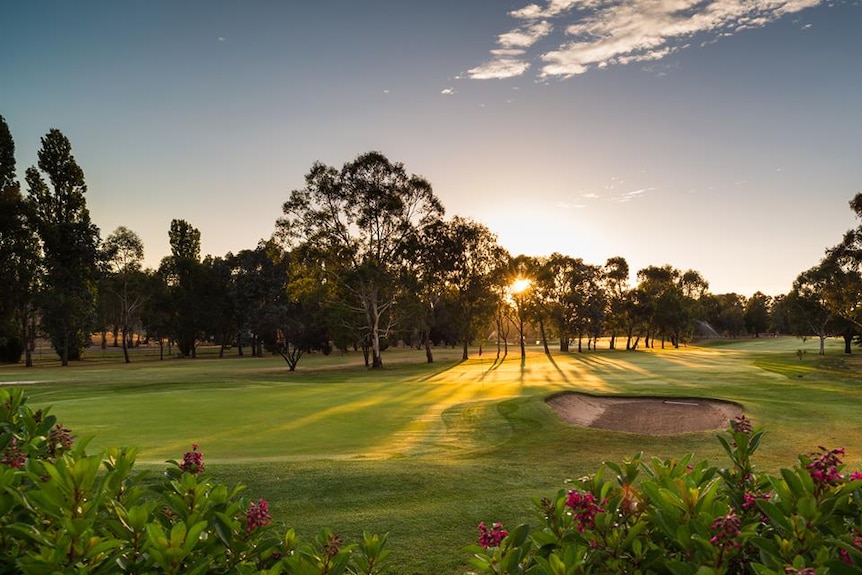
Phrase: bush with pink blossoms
x=685 y=518
x=63 y=510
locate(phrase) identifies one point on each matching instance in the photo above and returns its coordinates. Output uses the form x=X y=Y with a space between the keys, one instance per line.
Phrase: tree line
x=361 y=258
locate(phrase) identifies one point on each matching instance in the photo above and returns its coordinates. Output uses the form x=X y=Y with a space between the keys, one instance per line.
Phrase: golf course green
x=427 y=451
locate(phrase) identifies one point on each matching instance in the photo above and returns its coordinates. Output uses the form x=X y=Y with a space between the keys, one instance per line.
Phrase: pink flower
x=193 y=461
x=741 y=424
x=584 y=508
x=493 y=536
x=257 y=515
x=59 y=440
x=13 y=455
x=825 y=467
x=726 y=529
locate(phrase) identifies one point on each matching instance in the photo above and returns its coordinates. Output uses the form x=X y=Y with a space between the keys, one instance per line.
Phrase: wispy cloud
x=570 y=206
x=601 y=33
x=447 y=91
x=635 y=194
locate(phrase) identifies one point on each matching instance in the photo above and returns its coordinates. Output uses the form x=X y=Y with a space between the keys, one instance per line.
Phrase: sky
x=716 y=135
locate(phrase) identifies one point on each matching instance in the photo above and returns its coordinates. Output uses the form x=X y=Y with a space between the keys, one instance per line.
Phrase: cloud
x=601 y=33
x=447 y=91
x=498 y=69
x=633 y=195
x=570 y=206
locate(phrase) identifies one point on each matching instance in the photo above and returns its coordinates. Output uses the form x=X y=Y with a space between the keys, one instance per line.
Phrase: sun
x=520 y=285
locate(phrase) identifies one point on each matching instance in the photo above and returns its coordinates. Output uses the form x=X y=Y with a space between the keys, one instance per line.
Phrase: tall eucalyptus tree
x=361 y=223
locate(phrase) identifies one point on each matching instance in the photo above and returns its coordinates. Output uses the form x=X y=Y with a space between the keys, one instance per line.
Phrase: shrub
x=685 y=518
x=65 y=511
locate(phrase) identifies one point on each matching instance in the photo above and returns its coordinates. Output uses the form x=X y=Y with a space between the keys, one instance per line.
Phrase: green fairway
x=426 y=451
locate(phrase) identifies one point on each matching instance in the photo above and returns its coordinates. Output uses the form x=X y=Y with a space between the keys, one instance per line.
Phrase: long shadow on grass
x=498 y=361
x=562 y=373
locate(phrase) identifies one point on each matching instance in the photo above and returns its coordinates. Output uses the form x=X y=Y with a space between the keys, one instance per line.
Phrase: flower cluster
x=257 y=515
x=13 y=455
x=825 y=467
x=741 y=424
x=749 y=503
x=726 y=530
x=332 y=545
x=193 y=461
x=59 y=440
x=491 y=537
x=584 y=508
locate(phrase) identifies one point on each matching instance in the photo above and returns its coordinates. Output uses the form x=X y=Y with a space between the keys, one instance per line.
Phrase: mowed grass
x=426 y=451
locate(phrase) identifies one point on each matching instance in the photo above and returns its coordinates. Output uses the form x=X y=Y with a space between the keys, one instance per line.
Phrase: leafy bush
x=64 y=511
x=685 y=518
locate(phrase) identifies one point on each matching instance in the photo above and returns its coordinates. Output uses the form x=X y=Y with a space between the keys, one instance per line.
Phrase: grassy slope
x=426 y=452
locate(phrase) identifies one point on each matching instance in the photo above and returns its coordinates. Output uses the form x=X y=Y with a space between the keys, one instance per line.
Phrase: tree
x=259 y=280
x=616 y=279
x=569 y=293
x=19 y=260
x=457 y=265
x=672 y=298
x=823 y=302
x=70 y=246
x=520 y=286
x=804 y=311
x=757 y=313
x=184 y=275
x=725 y=313
x=361 y=222
x=124 y=252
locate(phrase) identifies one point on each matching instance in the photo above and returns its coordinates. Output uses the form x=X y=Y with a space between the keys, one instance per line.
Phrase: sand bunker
x=646 y=415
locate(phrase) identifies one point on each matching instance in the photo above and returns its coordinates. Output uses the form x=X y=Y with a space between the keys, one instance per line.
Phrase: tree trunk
x=28 y=338
x=373 y=316
x=523 y=343
x=429 y=356
x=564 y=342
x=465 y=350
x=64 y=353
x=544 y=337
x=848 y=339
x=613 y=343
x=125 y=347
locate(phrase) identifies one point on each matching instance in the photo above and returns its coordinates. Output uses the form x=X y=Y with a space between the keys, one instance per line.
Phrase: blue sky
x=718 y=135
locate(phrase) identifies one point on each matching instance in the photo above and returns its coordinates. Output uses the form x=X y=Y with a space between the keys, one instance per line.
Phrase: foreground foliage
x=64 y=511
x=685 y=518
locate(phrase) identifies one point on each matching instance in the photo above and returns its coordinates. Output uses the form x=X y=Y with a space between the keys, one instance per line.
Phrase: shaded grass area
x=425 y=452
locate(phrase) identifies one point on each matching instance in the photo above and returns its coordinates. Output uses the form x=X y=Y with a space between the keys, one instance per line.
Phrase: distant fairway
x=427 y=451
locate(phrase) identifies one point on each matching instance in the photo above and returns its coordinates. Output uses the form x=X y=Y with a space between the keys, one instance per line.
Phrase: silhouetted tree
x=124 y=252
x=19 y=260
x=184 y=274
x=70 y=246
